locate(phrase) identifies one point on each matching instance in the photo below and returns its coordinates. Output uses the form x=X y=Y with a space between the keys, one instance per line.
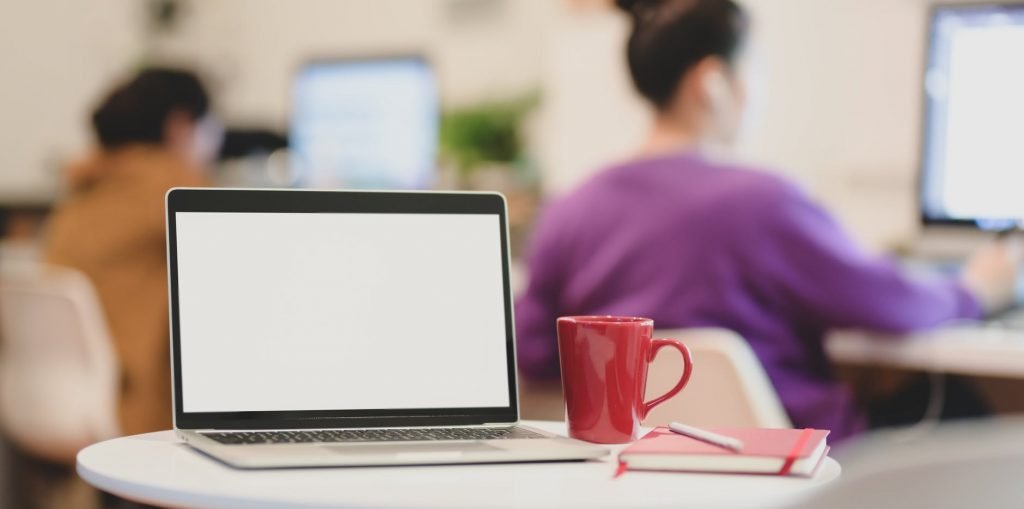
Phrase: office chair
x=728 y=388
x=58 y=370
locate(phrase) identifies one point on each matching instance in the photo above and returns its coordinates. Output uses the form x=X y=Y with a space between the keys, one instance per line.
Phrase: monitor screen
x=340 y=311
x=365 y=124
x=973 y=147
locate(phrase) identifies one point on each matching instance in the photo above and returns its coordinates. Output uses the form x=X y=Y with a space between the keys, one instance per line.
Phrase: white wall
x=56 y=56
x=252 y=48
x=842 y=108
x=590 y=115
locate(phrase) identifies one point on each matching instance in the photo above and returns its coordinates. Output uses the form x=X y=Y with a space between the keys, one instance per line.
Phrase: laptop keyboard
x=368 y=435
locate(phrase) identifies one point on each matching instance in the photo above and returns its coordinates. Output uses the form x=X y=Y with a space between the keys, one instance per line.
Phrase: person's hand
x=991 y=274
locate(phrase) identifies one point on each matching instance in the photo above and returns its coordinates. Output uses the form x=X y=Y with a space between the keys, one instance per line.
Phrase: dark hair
x=136 y=111
x=669 y=37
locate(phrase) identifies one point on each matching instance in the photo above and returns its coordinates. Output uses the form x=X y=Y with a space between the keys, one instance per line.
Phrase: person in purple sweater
x=681 y=237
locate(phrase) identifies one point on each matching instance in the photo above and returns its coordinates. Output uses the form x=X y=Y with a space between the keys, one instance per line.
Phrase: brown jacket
x=111 y=227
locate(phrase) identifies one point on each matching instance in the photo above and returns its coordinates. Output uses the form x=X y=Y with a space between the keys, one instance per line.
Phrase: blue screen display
x=365 y=124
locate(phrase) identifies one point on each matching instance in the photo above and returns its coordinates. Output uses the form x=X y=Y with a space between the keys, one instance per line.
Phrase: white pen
x=706 y=436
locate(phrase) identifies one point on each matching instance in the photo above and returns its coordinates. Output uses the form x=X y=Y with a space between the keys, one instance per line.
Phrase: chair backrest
x=728 y=388
x=58 y=370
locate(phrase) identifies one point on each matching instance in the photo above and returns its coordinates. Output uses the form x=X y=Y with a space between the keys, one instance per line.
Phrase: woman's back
x=633 y=231
x=692 y=243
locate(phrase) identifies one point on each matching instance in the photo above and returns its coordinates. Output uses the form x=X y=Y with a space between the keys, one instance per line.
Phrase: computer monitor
x=973 y=139
x=369 y=123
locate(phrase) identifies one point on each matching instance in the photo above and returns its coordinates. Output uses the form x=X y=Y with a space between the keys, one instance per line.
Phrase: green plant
x=485 y=133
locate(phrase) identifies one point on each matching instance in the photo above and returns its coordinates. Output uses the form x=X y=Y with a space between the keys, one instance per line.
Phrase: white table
x=966 y=350
x=158 y=469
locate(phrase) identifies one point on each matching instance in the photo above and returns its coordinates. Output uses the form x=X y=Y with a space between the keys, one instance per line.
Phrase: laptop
x=341 y=328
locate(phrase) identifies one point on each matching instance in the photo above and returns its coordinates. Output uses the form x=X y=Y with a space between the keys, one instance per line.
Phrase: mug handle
x=658 y=344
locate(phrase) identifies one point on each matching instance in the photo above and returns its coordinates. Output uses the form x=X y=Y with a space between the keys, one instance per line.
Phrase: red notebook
x=765 y=451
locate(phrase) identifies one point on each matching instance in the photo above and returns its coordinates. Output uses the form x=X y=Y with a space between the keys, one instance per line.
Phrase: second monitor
x=369 y=123
x=973 y=156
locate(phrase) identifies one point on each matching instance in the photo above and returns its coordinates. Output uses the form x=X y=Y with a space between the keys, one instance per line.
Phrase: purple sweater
x=691 y=243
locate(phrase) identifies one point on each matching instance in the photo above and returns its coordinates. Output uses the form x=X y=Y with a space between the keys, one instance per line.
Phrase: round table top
x=159 y=469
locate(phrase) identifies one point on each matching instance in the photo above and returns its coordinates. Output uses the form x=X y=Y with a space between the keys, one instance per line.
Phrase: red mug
x=604 y=375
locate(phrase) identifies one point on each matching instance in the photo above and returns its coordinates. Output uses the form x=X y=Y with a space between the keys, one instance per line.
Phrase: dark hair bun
x=632 y=6
x=626 y=5
x=670 y=37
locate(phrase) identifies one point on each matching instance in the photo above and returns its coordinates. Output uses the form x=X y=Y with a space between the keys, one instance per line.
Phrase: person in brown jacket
x=155 y=133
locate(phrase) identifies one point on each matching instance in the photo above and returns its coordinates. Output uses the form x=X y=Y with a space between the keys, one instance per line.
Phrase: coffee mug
x=604 y=375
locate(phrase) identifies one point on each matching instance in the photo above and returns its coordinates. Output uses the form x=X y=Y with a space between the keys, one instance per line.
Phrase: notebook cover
x=763 y=442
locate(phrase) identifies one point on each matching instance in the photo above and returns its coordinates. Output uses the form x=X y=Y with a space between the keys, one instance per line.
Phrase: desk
x=156 y=468
x=966 y=350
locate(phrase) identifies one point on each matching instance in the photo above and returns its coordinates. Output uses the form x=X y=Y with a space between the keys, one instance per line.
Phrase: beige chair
x=728 y=387
x=58 y=370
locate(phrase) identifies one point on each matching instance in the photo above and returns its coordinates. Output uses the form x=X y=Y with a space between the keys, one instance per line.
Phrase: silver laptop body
x=344 y=328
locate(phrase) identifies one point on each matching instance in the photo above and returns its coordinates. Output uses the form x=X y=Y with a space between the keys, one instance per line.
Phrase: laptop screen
x=291 y=311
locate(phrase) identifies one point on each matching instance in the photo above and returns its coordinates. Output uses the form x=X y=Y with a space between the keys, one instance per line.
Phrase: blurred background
x=838 y=86
x=525 y=97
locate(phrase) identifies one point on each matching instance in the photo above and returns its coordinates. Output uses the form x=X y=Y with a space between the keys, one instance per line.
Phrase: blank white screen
x=983 y=157
x=297 y=311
